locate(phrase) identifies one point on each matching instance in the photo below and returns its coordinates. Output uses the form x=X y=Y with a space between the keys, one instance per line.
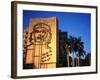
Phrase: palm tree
x=67 y=47
x=80 y=48
x=70 y=45
x=75 y=50
x=72 y=48
x=76 y=45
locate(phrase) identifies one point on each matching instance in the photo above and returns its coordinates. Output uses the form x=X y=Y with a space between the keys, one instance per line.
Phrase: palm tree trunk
x=67 y=56
x=78 y=59
x=76 y=62
x=67 y=59
x=73 y=63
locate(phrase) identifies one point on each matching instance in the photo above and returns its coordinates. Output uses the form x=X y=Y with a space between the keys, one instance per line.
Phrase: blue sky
x=76 y=24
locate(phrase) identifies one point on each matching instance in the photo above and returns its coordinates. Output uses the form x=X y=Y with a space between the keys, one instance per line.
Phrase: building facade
x=39 y=43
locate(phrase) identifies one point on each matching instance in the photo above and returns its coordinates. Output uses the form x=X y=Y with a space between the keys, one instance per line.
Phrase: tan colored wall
x=41 y=53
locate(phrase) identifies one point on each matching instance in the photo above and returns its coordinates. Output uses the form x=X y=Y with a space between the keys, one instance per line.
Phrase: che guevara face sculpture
x=41 y=33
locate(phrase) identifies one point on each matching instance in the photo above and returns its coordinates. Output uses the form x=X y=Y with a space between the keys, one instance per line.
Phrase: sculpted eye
x=43 y=32
x=36 y=31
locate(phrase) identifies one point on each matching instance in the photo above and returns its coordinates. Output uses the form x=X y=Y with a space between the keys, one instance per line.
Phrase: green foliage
x=75 y=46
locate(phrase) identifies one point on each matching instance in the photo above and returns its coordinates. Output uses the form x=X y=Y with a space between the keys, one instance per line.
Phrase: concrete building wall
x=40 y=41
